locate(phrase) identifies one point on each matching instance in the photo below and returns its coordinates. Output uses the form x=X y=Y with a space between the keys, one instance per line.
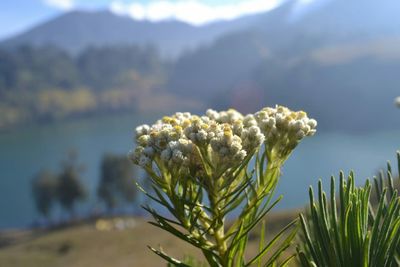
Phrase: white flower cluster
x=283 y=128
x=226 y=137
x=227 y=146
x=229 y=116
x=281 y=121
x=177 y=152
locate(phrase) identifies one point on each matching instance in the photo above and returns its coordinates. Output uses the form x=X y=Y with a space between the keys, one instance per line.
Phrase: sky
x=19 y=15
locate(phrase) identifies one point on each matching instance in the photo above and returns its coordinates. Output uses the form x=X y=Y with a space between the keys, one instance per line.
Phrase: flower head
x=284 y=129
x=223 y=139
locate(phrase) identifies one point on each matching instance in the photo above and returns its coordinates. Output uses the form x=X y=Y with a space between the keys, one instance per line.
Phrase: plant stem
x=219 y=231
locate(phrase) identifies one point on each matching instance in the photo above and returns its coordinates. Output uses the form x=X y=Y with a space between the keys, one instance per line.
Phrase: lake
x=24 y=152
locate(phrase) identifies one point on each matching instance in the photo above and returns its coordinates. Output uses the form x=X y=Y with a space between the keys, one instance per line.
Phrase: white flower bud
x=144 y=140
x=279 y=119
x=201 y=136
x=212 y=114
x=254 y=130
x=299 y=125
x=240 y=155
x=235 y=147
x=142 y=129
x=249 y=121
x=306 y=128
x=312 y=123
x=311 y=132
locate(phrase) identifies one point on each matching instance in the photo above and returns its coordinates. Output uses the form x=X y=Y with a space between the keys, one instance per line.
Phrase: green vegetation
x=46 y=83
x=44 y=187
x=117 y=181
x=349 y=235
x=351 y=232
x=70 y=188
x=116 y=186
x=201 y=170
x=66 y=187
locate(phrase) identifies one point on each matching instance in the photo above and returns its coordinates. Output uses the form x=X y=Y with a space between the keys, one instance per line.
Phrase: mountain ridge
x=329 y=62
x=76 y=30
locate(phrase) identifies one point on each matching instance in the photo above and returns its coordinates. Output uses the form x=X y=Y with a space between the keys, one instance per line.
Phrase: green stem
x=266 y=184
x=271 y=174
x=219 y=231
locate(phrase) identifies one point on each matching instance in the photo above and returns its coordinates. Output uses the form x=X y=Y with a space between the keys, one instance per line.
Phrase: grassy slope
x=85 y=246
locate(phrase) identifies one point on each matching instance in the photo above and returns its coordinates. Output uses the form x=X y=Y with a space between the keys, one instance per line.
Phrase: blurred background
x=77 y=76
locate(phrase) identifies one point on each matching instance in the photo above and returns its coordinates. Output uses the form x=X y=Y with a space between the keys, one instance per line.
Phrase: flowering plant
x=204 y=168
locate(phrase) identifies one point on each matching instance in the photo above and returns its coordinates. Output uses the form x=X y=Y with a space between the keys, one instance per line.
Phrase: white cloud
x=60 y=4
x=192 y=12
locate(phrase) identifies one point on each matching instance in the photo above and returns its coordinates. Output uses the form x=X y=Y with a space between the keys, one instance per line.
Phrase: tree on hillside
x=44 y=189
x=117 y=184
x=70 y=187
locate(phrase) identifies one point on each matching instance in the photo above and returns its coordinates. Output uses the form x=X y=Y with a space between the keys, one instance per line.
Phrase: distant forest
x=344 y=91
x=46 y=83
x=342 y=69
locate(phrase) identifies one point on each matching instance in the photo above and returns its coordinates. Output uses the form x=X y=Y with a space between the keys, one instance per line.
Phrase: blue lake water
x=24 y=152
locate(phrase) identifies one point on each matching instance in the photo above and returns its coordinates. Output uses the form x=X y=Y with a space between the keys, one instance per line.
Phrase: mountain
x=77 y=30
x=338 y=61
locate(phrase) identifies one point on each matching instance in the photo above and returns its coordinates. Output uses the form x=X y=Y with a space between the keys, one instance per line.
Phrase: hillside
x=337 y=59
x=339 y=66
x=84 y=245
x=44 y=84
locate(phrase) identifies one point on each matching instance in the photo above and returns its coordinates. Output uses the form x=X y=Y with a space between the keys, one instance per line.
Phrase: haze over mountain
x=337 y=59
x=76 y=30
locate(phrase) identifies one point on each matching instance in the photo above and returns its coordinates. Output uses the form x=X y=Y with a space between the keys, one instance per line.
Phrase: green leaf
x=271 y=244
x=171 y=260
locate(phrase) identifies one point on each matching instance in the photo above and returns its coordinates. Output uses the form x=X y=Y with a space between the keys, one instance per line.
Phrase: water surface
x=24 y=152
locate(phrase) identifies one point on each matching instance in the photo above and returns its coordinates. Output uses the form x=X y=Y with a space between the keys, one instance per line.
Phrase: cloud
x=192 y=12
x=60 y=4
